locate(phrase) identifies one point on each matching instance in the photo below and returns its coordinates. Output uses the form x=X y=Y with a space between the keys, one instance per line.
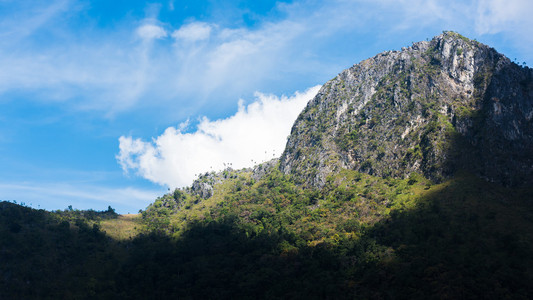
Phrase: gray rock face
x=435 y=108
x=203 y=186
x=260 y=170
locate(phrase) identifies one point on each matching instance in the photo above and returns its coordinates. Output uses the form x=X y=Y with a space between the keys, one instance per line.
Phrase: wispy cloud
x=151 y=31
x=22 y=21
x=51 y=195
x=494 y=16
x=117 y=70
x=192 y=32
x=257 y=132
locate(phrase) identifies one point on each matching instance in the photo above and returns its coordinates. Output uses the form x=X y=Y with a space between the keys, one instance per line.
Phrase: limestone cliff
x=434 y=108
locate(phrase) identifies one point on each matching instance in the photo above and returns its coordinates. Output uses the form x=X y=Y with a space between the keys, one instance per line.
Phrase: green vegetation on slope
x=58 y=255
x=360 y=237
x=122 y=227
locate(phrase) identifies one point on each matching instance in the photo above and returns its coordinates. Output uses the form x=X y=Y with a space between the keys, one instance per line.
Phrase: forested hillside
x=360 y=237
x=406 y=177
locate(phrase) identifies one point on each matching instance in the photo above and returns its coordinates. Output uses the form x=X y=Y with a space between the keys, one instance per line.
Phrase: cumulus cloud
x=192 y=32
x=151 y=31
x=255 y=133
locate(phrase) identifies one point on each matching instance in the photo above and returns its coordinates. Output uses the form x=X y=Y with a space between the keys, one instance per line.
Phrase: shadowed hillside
x=460 y=239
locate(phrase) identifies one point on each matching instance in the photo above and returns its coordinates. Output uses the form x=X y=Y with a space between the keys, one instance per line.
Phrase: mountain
x=436 y=107
x=407 y=177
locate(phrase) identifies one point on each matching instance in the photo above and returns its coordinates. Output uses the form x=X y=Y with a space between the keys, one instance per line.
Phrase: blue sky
x=112 y=102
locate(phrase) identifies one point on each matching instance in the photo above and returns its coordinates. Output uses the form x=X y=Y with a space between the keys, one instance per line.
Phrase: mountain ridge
x=434 y=108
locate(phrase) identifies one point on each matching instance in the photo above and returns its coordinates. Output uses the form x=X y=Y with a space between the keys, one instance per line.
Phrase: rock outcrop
x=435 y=108
x=261 y=170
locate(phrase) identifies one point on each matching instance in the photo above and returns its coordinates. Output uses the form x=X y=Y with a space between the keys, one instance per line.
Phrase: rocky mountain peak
x=434 y=108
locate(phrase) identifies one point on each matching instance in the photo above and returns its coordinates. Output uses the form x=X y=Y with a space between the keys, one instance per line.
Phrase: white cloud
x=257 y=132
x=151 y=31
x=193 y=32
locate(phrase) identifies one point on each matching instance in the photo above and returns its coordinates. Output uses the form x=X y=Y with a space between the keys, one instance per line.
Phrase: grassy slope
x=123 y=227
